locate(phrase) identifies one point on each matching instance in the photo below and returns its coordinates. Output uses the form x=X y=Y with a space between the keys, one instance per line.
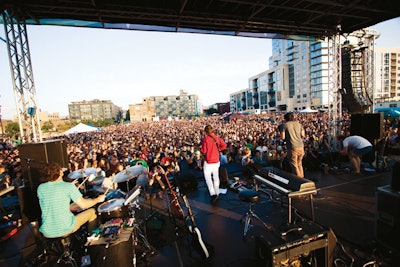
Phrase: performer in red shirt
x=211 y=146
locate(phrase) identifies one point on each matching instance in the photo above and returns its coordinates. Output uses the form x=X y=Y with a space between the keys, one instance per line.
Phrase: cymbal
x=129 y=173
x=81 y=173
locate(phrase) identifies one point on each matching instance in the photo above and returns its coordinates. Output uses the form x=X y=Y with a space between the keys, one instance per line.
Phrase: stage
x=344 y=228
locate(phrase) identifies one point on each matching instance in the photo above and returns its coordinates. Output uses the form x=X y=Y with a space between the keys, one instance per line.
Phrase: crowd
x=175 y=144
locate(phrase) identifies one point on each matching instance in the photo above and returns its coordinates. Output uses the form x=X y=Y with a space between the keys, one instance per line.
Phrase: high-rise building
x=174 y=106
x=267 y=91
x=299 y=76
x=307 y=77
x=93 y=110
x=387 y=75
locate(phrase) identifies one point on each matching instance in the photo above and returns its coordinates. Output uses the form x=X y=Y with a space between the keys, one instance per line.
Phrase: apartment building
x=387 y=75
x=92 y=110
x=174 y=106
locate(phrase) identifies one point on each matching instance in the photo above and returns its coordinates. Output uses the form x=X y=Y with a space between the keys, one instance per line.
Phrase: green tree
x=12 y=129
x=47 y=126
x=211 y=111
x=128 y=116
x=63 y=127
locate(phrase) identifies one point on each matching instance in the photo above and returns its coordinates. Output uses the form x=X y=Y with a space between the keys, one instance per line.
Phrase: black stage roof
x=252 y=18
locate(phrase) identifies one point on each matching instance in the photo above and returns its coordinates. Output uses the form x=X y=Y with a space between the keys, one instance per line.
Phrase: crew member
x=355 y=147
x=211 y=145
x=55 y=197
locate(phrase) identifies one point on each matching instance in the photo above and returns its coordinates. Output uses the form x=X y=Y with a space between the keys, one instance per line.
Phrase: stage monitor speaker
x=395 y=183
x=34 y=156
x=370 y=126
x=387 y=223
x=118 y=253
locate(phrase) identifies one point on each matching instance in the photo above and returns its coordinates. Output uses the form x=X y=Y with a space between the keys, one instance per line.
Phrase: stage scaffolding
x=22 y=79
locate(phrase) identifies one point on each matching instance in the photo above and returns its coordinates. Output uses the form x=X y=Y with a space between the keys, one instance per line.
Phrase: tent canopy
x=81 y=128
x=308 y=110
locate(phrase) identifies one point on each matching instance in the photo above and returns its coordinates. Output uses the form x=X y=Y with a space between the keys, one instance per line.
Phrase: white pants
x=212 y=177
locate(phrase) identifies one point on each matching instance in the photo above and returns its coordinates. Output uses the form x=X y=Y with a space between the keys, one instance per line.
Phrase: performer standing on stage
x=292 y=133
x=55 y=197
x=211 y=146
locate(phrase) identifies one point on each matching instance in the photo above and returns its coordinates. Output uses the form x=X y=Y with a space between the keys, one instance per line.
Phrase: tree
x=12 y=129
x=128 y=116
x=63 y=127
x=47 y=126
x=120 y=116
x=211 y=111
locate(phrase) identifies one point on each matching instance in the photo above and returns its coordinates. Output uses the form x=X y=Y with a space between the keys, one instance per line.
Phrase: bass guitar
x=197 y=240
x=173 y=198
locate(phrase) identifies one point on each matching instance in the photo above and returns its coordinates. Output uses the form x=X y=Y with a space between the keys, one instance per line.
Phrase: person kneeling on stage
x=55 y=197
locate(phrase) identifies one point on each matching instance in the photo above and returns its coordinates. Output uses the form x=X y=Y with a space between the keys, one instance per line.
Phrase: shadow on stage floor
x=343 y=233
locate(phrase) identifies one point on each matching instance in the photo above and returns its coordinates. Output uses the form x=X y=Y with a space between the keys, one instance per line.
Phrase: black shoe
x=214 y=198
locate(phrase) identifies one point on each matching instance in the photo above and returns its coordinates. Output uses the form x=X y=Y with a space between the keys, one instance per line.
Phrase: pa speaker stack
x=354 y=94
x=34 y=156
x=368 y=125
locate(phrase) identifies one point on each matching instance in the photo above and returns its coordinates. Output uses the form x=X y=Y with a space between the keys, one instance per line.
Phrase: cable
x=342 y=263
x=347 y=254
x=370 y=263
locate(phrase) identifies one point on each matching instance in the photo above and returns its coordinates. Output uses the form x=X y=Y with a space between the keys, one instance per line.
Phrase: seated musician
x=55 y=197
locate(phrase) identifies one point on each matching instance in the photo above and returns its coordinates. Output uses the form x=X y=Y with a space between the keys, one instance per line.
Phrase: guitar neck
x=189 y=210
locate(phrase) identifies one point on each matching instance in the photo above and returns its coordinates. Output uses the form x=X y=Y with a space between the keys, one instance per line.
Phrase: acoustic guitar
x=175 y=206
x=198 y=243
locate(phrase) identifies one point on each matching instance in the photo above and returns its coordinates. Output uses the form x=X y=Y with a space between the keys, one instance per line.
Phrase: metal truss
x=22 y=79
x=334 y=85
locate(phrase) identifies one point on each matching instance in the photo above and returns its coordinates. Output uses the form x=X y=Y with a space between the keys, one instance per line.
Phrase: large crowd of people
x=175 y=144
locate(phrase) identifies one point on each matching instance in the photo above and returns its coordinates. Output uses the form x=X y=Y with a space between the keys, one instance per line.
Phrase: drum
x=115 y=193
x=132 y=195
x=113 y=208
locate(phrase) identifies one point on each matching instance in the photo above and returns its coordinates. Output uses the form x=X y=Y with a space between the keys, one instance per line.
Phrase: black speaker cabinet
x=34 y=156
x=387 y=222
x=370 y=126
x=296 y=245
x=395 y=183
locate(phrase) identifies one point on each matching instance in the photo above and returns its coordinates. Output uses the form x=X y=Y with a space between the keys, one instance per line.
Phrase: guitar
x=197 y=240
x=380 y=162
x=173 y=198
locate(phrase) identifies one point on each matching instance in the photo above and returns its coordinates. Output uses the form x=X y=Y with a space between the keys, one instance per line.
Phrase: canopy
x=308 y=110
x=81 y=128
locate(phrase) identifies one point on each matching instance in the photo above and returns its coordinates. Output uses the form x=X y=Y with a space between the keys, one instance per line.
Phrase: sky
x=75 y=64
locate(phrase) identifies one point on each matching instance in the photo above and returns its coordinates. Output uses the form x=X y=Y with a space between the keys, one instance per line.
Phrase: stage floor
x=346 y=211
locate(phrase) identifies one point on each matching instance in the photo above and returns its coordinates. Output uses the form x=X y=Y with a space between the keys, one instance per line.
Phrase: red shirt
x=209 y=148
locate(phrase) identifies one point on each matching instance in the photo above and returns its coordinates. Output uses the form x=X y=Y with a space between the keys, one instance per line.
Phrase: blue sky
x=75 y=64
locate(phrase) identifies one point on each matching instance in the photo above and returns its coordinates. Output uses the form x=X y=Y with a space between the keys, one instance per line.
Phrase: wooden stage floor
x=346 y=216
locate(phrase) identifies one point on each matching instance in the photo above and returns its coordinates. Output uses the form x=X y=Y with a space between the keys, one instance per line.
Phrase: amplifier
x=387 y=220
x=294 y=245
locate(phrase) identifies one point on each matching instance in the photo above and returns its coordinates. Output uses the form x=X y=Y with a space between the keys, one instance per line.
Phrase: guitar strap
x=215 y=141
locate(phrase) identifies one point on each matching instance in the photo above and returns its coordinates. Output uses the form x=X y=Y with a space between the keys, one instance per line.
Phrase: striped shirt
x=54 y=199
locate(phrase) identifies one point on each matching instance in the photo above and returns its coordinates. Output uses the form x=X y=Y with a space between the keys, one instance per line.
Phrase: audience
x=175 y=144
